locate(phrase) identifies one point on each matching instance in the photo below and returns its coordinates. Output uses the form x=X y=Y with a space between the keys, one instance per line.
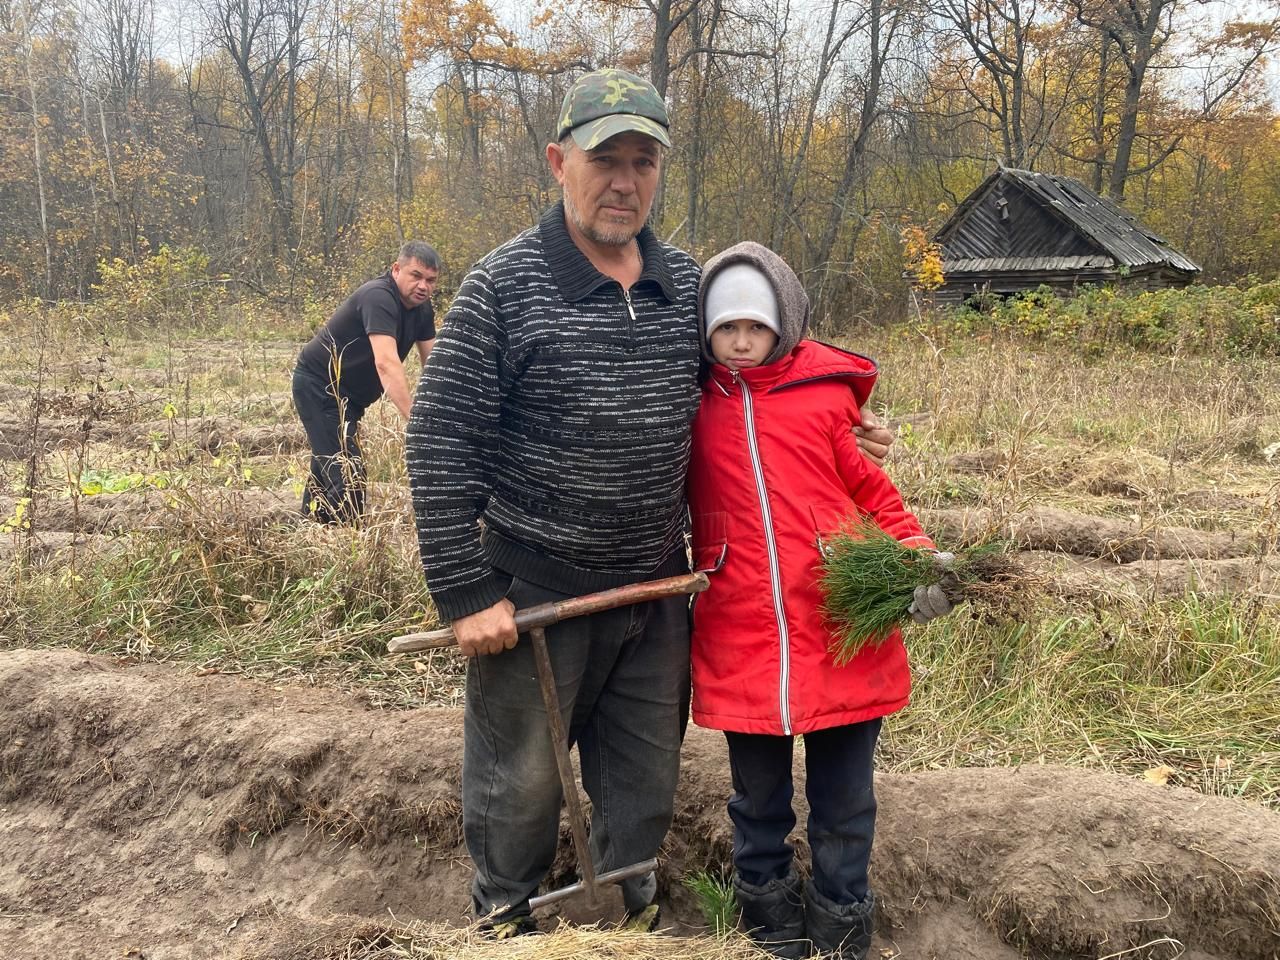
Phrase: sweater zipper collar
x=771 y=548
x=574 y=274
x=631 y=315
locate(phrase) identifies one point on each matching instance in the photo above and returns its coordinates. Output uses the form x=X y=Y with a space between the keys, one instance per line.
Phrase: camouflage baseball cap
x=604 y=103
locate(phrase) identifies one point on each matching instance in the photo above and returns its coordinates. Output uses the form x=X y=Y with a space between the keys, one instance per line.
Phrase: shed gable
x=1006 y=222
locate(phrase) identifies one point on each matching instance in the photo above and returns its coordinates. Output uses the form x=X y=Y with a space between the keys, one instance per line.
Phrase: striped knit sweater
x=549 y=436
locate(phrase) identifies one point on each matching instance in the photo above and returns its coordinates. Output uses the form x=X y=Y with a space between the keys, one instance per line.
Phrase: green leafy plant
x=95 y=482
x=18 y=519
x=869 y=579
x=1238 y=319
x=171 y=285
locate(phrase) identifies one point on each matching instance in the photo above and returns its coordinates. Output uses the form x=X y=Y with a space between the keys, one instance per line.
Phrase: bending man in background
x=356 y=357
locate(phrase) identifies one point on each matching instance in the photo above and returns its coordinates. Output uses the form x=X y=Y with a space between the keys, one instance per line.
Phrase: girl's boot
x=773 y=915
x=839 y=930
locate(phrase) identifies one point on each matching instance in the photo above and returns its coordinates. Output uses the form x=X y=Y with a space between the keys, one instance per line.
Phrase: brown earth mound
x=215 y=434
x=17 y=441
x=211 y=434
x=1110 y=538
x=57 y=546
x=1215 y=501
x=1072 y=577
x=146 y=809
x=151 y=509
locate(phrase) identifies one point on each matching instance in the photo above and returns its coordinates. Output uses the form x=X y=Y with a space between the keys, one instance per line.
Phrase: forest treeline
x=288 y=146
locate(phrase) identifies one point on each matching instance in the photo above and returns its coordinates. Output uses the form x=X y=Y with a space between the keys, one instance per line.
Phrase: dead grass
x=418 y=941
x=1190 y=683
x=998 y=424
x=1048 y=419
x=222 y=586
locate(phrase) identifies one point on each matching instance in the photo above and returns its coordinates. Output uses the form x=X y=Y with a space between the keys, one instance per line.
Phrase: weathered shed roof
x=977 y=239
x=1005 y=264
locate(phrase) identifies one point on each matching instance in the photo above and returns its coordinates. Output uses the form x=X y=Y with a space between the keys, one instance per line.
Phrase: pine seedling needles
x=869 y=579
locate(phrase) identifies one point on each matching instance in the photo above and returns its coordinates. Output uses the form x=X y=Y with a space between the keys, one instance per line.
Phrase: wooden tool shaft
x=560 y=745
x=545 y=614
x=534 y=620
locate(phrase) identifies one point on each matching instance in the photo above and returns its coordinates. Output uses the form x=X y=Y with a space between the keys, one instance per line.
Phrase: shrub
x=171 y=286
x=1241 y=319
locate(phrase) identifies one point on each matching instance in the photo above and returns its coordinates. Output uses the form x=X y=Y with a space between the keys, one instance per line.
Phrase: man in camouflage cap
x=607 y=102
x=557 y=409
x=611 y=135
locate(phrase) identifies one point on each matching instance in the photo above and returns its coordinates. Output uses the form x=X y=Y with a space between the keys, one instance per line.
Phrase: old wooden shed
x=1020 y=229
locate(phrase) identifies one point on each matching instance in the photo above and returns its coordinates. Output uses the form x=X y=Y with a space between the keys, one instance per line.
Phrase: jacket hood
x=810 y=360
x=793 y=302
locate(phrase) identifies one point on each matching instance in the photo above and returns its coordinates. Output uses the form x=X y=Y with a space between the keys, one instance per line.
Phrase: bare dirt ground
x=209 y=434
x=149 y=812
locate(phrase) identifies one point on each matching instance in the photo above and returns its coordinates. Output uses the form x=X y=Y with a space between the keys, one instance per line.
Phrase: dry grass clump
x=1033 y=417
x=1190 y=683
x=419 y=941
x=221 y=586
x=210 y=562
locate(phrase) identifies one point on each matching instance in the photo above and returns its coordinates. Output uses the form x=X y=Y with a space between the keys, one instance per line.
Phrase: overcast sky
x=173 y=26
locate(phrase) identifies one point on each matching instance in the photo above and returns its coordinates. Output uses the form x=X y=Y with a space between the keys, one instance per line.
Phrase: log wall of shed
x=1064 y=284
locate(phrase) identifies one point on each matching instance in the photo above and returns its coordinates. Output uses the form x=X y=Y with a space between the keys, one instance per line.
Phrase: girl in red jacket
x=775 y=468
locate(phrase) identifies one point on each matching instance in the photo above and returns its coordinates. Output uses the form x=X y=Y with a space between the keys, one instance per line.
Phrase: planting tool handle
x=613 y=876
x=545 y=614
x=526 y=620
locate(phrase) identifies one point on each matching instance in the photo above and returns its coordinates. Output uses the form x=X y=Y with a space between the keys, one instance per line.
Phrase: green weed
x=1212 y=319
x=716 y=901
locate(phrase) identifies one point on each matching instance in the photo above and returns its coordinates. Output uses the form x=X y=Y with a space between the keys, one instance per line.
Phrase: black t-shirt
x=374 y=308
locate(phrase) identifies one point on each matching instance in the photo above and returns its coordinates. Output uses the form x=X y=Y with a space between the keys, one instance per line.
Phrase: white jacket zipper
x=775 y=571
x=631 y=312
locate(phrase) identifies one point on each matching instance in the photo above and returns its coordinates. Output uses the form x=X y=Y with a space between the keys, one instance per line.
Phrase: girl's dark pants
x=334 y=492
x=842 y=807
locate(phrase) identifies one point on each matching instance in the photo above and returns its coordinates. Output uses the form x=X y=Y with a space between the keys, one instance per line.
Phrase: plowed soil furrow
x=145 y=808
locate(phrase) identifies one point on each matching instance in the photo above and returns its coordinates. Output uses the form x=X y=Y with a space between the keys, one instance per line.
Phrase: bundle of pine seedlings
x=869 y=580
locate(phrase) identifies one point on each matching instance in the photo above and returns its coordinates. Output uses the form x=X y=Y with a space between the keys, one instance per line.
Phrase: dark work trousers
x=842 y=806
x=622 y=677
x=334 y=492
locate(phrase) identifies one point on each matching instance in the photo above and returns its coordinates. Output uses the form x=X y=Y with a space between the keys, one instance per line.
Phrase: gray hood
x=793 y=302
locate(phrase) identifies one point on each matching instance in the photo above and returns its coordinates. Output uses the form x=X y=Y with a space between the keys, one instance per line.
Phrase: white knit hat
x=740 y=290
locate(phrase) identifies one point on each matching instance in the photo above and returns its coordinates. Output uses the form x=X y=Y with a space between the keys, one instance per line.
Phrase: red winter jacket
x=776 y=466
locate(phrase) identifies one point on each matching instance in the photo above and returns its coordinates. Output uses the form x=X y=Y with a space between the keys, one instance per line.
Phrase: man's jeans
x=622 y=678
x=334 y=492
x=842 y=807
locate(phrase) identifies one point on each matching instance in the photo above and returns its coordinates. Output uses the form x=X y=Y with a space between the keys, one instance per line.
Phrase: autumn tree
x=1142 y=33
x=999 y=56
x=293 y=144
